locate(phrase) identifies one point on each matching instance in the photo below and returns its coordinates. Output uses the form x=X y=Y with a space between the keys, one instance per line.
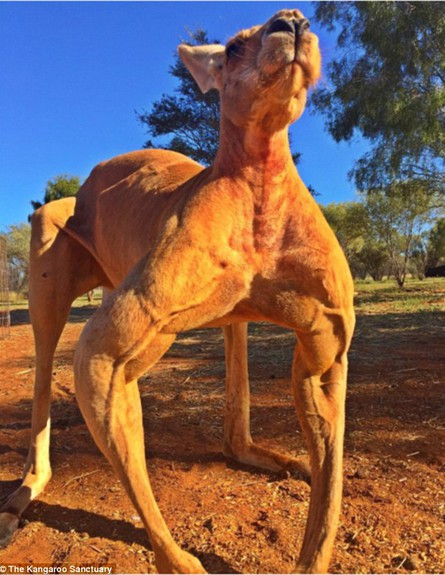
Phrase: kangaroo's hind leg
x=319 y=382
x=238 y=442
x=60 y=270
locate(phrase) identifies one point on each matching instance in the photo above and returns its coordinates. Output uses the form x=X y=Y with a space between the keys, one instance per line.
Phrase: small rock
x=263 y=516
x=361 y=473
x=411 y=563
x=351 y=537
x=272 y=535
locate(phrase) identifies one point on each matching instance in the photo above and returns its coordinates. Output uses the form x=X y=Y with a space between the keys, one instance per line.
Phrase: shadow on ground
x=64 y=520
x=77 y=315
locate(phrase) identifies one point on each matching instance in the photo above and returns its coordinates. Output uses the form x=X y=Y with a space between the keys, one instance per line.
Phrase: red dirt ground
x=235 y=518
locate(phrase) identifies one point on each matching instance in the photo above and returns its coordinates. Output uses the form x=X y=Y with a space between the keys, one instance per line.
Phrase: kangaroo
x=185 y=247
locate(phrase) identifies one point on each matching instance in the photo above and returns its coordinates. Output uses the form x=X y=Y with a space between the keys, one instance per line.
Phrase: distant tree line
x=17 y=252
x=391 y=233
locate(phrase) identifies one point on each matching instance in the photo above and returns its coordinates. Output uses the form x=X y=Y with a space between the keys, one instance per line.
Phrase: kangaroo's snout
x=296 y=26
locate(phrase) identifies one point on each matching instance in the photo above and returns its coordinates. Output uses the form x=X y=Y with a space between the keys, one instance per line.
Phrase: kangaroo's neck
x=261 y=158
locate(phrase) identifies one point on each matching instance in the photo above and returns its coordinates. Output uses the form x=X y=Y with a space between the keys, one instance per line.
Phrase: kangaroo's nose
x=297 y=27
x=302 y=25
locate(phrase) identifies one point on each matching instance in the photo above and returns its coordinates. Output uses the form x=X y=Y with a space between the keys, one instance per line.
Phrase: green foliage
x=436 y=244
x=374 y=258
x=349 y=222
x=390 y=229
x=398 y=216
x=62 y=186
x=419 y=255
x=17 y=239
x=387 y=82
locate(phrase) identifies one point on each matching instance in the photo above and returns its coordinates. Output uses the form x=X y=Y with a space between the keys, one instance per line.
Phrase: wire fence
x=5 y=312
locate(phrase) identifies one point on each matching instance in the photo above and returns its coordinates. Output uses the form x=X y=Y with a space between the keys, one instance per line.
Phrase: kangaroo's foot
x=250 y=453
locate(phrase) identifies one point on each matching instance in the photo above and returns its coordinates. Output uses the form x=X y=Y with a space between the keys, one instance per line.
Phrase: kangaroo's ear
x=204 y=63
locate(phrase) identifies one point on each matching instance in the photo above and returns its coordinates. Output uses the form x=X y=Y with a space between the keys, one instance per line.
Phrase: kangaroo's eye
x=234 y=49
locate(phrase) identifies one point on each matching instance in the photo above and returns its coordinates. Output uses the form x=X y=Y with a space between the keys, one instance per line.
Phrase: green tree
x=387 y=83
x=419 y=255
x=373 y=257
x=348 y=220
x=436 y=244
x=398 y=216
x=62 y=186
x=189 y=117
x=349 y=223
x=366 y=254
x=17 y=239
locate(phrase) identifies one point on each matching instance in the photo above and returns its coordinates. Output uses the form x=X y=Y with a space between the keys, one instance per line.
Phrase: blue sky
x=73 y=74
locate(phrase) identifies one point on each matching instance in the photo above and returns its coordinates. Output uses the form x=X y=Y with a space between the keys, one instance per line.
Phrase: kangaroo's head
x=263 y=74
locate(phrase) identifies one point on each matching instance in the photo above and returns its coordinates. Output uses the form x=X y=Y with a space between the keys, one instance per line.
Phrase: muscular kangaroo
x=184 y=247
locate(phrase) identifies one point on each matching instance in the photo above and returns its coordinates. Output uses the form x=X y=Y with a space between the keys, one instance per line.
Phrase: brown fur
x=240 y=241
